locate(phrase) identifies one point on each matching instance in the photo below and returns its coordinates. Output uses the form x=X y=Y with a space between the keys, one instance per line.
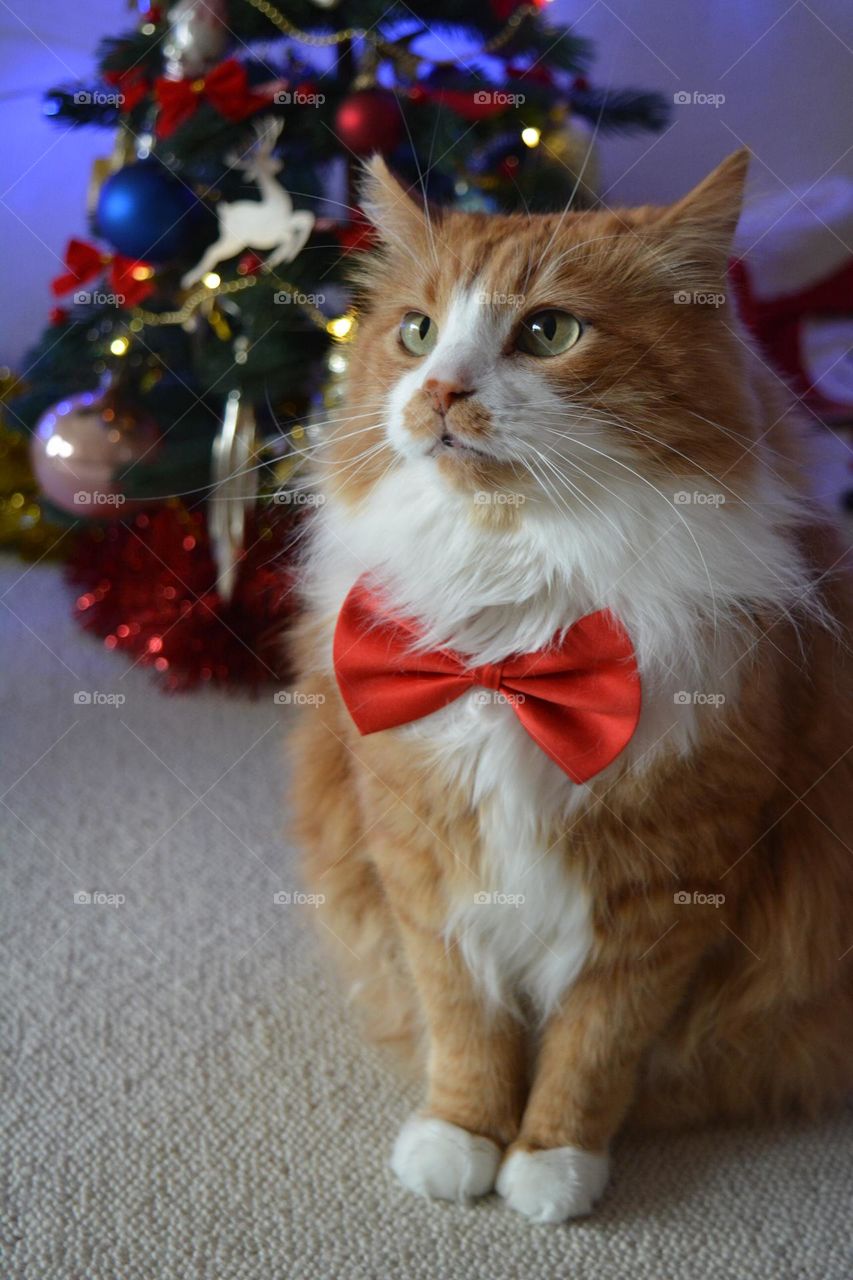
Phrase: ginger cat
x=578 y=793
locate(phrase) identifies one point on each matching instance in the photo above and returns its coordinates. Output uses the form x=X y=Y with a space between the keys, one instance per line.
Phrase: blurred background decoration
x=198 y=337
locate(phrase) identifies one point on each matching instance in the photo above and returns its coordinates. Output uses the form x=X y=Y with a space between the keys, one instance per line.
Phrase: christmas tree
x=199 y=340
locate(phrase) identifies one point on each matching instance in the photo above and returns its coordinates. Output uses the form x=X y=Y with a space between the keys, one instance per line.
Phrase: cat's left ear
x=707 y=215
x=391 y=209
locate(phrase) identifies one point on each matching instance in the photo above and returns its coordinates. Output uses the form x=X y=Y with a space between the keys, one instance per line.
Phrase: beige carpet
x=183 y=1094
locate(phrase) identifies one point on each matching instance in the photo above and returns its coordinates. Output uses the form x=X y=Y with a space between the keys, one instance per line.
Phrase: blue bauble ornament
x=144 y=212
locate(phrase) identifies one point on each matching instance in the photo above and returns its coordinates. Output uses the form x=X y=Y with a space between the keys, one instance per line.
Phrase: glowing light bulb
x=119 y=346
x=530 y=136
x=340 y=327
x=213 y=280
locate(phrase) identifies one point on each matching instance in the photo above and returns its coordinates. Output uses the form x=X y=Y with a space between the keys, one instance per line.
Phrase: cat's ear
x=707 y=215
x=391 y=210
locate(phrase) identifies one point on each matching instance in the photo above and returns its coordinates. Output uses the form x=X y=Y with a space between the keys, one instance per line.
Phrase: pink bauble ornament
x=81 y=448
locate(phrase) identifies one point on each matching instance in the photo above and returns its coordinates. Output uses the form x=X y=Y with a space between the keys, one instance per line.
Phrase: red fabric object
x=776 y=322
x=226 y=88
x=85 y=262
x=537 y=74
x=579 y=699
x=133 y=85
x=504 y=9
x=147 y=587
x=465 y=104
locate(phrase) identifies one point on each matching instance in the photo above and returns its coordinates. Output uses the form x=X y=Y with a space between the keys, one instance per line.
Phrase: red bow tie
x=579 y=698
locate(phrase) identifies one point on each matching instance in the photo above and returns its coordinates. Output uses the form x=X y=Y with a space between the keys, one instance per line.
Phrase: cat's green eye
x=548 y=333
x=418 y=333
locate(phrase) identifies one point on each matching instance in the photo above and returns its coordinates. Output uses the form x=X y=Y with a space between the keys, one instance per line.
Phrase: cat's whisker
x=620 y=498
x=588 y=501
x=643 y=480
x=578 y=180
x=564 y=480
x=335 y=438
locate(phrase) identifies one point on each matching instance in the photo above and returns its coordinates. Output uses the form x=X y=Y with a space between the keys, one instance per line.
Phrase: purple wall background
x=785 y=70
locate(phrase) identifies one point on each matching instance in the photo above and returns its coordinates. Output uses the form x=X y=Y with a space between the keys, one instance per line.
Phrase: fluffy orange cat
x=575 y=780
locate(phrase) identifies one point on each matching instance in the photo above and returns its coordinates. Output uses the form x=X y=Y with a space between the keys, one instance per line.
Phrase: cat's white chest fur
x=524 y=925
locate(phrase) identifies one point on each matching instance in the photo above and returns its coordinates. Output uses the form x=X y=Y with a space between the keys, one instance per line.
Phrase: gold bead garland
x=140 y=318
x=286 y=27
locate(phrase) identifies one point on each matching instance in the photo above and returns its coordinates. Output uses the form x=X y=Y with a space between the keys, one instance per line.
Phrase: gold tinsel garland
x=23 y=526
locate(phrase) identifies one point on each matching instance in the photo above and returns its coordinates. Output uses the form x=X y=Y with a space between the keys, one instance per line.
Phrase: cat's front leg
x=451 y=1148
x=586 y=1075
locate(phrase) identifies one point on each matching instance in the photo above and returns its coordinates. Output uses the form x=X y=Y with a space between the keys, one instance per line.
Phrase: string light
x=119 y=346
x=213 y=280
x=530 y=136
x=341 y=326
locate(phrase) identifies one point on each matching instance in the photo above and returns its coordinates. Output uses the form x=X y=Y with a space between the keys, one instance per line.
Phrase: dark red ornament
x=249 y=263
x=504 y=9
x=358 y=234
x=369 y=120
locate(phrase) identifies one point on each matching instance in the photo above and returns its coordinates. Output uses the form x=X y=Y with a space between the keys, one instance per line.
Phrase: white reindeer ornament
x=268 y=223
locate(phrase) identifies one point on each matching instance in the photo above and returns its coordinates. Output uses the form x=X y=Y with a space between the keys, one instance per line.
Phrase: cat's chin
x=472 y=470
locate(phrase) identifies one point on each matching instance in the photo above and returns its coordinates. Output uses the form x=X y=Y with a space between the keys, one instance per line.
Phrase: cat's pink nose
x=444 y=394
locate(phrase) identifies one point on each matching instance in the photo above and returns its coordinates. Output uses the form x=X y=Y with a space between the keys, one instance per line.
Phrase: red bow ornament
x=128 y=277
x=578 y=698
x=226 y=88
x=133 y=86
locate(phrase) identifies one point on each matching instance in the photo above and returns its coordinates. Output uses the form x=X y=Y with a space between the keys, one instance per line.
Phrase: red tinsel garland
x=147 y=587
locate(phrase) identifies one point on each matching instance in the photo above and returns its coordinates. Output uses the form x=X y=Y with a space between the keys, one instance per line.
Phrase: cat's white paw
x=550 y=1186
x=434 y=1158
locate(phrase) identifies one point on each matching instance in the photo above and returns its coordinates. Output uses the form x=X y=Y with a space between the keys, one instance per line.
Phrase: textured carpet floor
x=183 y=1094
